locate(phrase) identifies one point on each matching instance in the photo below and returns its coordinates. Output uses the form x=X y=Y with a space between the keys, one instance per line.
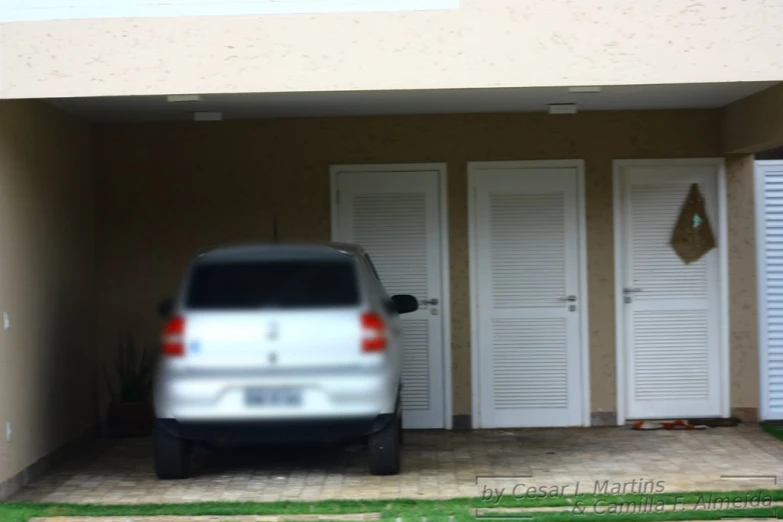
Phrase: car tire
x=172 y=455
x=399 y=422
x=384 y=449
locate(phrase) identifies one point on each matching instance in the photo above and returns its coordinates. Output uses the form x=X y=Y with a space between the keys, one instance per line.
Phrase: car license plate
x=273 y=397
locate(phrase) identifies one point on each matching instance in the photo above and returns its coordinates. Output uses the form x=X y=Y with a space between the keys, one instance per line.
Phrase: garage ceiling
x=366 y=103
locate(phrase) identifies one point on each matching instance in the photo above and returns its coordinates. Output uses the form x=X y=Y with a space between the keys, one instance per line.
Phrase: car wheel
x=384 y=448
x=399 y=422
x=172 y=455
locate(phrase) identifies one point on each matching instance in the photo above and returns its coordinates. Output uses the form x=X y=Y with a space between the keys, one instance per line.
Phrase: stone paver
x=436 y=464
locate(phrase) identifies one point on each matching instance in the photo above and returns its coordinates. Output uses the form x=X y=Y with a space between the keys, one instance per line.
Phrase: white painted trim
x=441 y=168
x=761 y=289
x=445 y=272
x=761 y=277
x=475 y=374
x=473 y=266
x=619 y=317
x=723 y=269
x=584 y=292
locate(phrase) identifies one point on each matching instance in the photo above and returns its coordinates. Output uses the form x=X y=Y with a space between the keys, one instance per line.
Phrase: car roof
x=267 y=251
x=348 y=248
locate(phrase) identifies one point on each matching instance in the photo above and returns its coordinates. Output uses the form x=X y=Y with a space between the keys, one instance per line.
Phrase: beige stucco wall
x=167 y=190
x=744 y=360
x=484 y=43
x=47 y=358
x=755 y=123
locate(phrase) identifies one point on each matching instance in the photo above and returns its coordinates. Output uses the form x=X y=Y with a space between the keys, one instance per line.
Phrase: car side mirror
x=165 y=308
x=405 y=303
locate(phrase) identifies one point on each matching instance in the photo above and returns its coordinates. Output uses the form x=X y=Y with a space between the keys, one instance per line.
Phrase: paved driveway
x=436 y=465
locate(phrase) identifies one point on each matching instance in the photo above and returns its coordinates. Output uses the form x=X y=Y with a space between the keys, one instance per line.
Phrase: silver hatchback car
x=280 y=343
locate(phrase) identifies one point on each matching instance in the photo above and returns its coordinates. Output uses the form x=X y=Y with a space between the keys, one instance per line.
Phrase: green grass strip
x=688 y=514
x=774 y=429
x=584 y=507
x=408 y=512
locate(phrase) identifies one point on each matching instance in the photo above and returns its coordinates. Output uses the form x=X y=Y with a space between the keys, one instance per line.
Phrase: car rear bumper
x=277 y=431
x=221 y=396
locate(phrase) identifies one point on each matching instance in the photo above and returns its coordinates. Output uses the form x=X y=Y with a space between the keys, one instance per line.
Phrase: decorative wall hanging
x=692 y=237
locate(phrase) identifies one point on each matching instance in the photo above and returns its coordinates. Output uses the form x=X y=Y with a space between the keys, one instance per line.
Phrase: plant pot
x=130 y=419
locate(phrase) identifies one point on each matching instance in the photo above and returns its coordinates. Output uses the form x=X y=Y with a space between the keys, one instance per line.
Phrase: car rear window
x=273 y=284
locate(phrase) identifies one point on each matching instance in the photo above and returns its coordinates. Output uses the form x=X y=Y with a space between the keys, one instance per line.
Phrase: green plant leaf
x=112 y=392
x=135 y=369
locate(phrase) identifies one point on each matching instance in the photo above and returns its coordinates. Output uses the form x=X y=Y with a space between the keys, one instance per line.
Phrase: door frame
x=445 y=278
x=761 y=287
x=584 y=332
x=723 y=276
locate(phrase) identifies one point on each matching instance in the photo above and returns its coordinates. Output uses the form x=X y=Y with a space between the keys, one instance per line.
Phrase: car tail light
x=174 y=337
x=373 y=333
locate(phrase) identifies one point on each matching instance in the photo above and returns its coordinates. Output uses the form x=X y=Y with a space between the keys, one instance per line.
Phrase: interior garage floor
x=437 y=464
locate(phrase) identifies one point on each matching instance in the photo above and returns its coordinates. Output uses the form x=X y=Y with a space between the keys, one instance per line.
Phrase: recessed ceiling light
x=584 y=89
x=562 y=108
x=207 y=116
x=183 y=98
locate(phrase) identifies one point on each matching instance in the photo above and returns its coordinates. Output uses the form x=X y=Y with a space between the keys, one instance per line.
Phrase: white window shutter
x=527 y=270
x=770 y=252
x=526 y=248
x=392 y=228
x=671 y=309
x=671 y=347
x=395 y=216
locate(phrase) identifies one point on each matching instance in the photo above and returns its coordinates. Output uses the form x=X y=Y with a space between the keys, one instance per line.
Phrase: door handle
x=568 y=298
x=434 y=301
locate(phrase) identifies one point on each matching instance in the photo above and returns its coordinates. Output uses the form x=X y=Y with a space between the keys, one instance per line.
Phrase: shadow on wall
x=771 y=154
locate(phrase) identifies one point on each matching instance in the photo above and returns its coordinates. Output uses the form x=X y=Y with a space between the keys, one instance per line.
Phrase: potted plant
x=130 y=412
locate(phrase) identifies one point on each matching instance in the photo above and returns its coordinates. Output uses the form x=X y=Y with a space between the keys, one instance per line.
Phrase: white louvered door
x=671 y=344
x=769 y=242
x=395 y=216
x=527 y=257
